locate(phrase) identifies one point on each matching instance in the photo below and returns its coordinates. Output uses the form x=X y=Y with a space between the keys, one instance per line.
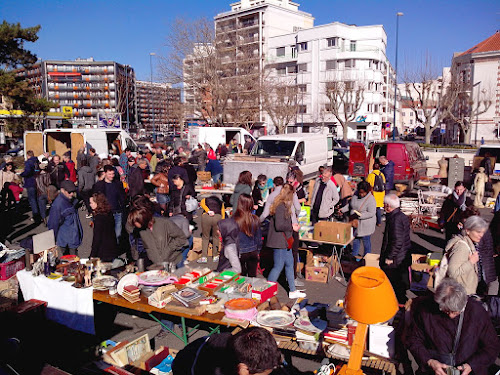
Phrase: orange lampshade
x=369 y=297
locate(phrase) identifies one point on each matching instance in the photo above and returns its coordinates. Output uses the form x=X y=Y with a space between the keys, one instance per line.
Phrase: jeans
x=379 y=215
x=118 y=224
x=32 y=199
x=86 y=194
x=42 y=205
x=283 y=258
x=249 y=263
x=356 y=244
x=216 y=178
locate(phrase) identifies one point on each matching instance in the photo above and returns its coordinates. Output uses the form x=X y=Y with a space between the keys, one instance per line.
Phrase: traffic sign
x=67 y=112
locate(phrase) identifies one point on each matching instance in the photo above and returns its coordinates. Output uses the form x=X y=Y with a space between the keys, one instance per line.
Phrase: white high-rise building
x=314 y=57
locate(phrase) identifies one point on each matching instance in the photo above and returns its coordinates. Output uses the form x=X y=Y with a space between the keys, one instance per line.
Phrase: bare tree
x=280 y=101
x=462 y=107
x=345 y=99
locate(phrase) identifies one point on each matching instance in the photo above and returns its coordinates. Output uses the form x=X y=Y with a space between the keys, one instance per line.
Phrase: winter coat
x=486 y=249
x=201 y=157
x=177 y=204
x=388 y=171
x=58 y=173
x=104 y=246
x=94 y=162
x=64 y=221
x=70 y=165
x=458 y=250
x=86 y=178
x=214 y=167
x=229 y=231
x=165 y=242
x=343 y=184
x=270 y=199
x=176 y=169
x=214 y=204
x=114 y=194
x=80 y=159
x=42 y=180
x=280 y=229
x=30 y=168
x=330 y=199
x=135 y=181
x=431 y=330
x=368 y=208
x=379 y=195
x=396 y=244
x=238 y=190
x=160 y=180
x=6 y=176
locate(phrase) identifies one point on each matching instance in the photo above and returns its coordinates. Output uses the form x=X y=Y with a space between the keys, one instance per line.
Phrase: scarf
x=460 y=200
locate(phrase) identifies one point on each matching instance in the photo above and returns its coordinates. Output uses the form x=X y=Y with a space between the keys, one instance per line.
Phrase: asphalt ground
x=73 y=355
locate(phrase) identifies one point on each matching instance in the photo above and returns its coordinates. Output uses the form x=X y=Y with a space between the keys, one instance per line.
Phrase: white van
x=58 y=141
x=216 y=135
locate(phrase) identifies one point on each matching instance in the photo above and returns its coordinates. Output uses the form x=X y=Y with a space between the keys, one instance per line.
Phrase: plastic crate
x=7 y=270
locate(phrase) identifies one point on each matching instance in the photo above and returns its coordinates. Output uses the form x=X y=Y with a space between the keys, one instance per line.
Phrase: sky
x=128 y=31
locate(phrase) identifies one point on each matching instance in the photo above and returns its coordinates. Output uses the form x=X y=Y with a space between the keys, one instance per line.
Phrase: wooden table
x=337 y=251
x=222 y=191
x=152 y=311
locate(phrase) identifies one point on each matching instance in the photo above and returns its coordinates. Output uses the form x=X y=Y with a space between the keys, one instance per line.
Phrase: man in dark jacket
x=58 y=171
x=387 y=168
x=433 y=329
x=30 y=168
x=64 y=220
x=395 y=255
x=113 y=190
x=135 y=177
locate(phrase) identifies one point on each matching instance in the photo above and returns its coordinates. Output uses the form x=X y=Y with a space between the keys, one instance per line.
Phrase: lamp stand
x=353 y=367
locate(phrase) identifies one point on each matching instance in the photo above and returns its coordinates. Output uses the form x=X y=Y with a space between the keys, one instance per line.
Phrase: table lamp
x=369 y=299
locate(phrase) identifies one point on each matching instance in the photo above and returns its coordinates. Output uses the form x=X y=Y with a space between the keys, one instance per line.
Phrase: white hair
x=392 y=200
x=475 y=223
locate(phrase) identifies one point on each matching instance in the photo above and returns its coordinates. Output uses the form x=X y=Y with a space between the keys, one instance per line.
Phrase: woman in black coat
x=104 y=245
x=178 y=196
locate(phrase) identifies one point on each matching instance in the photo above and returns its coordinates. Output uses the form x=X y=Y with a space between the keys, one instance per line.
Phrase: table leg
x=338 y=254
x=183 y=338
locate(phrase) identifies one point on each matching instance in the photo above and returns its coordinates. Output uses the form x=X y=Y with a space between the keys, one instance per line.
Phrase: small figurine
x=79 y=275
x=88 y=277
x=479 y=184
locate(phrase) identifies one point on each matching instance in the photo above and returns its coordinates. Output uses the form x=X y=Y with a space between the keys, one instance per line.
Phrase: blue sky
x=127 y=31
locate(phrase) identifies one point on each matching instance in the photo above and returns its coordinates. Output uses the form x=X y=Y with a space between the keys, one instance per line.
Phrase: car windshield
x=270 y=147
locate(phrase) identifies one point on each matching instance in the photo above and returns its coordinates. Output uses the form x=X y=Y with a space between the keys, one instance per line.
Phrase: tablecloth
x=66 y=305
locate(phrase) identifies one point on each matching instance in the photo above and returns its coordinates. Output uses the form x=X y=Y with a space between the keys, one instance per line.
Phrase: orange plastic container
x=369 y=296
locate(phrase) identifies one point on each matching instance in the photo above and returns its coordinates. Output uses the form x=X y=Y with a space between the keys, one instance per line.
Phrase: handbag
x=289 y=241
x=355 y=222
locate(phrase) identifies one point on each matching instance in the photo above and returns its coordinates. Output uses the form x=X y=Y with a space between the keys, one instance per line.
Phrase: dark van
x=409 y=160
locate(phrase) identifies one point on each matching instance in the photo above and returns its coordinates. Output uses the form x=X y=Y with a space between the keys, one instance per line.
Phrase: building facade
x=158 y=107
x=84 y=89
x=318 y=57
x=477 y=70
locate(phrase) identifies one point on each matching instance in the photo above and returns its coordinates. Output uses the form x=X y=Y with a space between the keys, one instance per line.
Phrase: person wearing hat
x=64 y=220
x=42 y=182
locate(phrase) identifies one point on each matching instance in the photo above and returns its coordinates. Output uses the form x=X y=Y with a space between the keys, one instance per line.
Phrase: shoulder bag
x=353 y=218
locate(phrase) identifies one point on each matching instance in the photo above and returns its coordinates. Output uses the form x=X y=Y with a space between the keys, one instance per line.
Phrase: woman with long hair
x=250 y=236
x=104 y=245
x=244 y=186
x=280 y=232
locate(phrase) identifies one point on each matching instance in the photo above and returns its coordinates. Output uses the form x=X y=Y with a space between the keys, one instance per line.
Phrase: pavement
x=129 y=325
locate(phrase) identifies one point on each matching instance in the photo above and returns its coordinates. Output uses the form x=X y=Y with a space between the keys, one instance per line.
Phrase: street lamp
x=398 y=14
x=472 y=106
x=126 y=98
x=151 y=54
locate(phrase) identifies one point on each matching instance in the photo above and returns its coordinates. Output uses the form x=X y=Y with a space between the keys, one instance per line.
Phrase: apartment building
x=158 y=106
x=477 y=70
x=84 y=88
x=314 y=58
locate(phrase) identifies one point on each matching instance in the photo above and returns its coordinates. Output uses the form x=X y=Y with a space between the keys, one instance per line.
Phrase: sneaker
x=296 y=294
x=202 y=260
x=215 y=259
x=298 y=282
x=88 y=216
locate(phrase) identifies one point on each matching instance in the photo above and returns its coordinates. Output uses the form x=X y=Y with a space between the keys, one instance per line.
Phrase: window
x=280 y=52
x=331 y=64
x=294 y=51
x=332 y=42
x=302 y=46
x=351 y=63
x=302 y=67
x=411 y=114
x=281 y=71
x=411 y=122
x=292 y=69
x=353 y=46
x=302 y=108
x=349 y=85
x=302 y=88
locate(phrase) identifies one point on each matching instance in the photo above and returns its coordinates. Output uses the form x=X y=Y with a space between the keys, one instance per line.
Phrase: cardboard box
x=319 y=267
x=336 y=232
x=266 y=294
x=372 y=260
x=419 y=263
x=317 y=274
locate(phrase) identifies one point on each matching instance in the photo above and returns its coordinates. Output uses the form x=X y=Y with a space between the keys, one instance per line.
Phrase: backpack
x=378 y=184
x=442 y=269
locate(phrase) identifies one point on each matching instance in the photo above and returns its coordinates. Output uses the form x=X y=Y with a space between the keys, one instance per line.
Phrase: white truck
x=272 y=154
x=216 y=135
x=104 y=141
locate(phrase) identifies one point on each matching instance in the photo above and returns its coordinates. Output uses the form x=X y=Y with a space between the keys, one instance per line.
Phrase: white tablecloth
x=66 y=305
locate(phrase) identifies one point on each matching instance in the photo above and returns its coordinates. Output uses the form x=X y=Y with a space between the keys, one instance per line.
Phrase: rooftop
x=487 y=45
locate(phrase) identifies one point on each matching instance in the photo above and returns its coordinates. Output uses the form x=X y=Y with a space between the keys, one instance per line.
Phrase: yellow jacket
x=379 y=195
x=206 y=209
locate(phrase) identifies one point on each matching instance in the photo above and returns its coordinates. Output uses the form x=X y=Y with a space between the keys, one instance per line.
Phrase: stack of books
x=131 y=293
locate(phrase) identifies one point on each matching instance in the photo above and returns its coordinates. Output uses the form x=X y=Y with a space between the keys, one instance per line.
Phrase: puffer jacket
x=30 y=168
x=486 y=249
x=64 y=221
x=458 y=250
x=229 y=231
x=396 y=244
